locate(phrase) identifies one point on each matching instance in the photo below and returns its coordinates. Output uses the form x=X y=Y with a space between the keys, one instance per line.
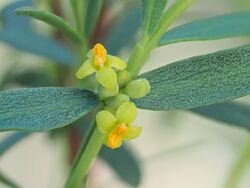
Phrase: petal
x=133 y=132
x=106 y=76
x=85 y=70
x=90 y=54
x=116 y=62
x=126 y=113
x=106 y=121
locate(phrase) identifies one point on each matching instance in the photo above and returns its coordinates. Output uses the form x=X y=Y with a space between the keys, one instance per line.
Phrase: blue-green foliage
x=218 y=27
x=11 y=140
x=17 y=31
x=123 y=30
x=199 y=81
x=229 y=113
x=43 y=109
x=124 y=163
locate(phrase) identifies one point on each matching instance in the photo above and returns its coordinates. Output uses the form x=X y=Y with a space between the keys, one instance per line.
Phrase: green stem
x=144 y=47
x=91 y=146
x=240 y=166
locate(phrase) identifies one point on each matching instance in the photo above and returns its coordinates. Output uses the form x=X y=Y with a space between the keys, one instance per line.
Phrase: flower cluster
x=116 y=87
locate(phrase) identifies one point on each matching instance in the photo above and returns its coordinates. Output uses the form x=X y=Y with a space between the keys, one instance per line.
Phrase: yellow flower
x=103 y=65
x=118 y=127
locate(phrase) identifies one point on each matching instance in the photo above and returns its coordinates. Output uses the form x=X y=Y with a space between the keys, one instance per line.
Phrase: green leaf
x=7 y=181
x=27 y=39
x=230 y=113
x=50 y=19
x=30 y=78
x=93 y=12
x=114 y=42
x=11 y=140
x=151 y=12
x=124 y=163
x=199 y=81
x=43 y=109
x=218 y=27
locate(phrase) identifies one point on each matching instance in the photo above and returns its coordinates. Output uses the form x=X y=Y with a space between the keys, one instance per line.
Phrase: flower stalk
x=89 y=150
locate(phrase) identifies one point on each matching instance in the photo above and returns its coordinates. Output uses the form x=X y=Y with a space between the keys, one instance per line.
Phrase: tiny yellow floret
x=115 y=137
x=100 y=55
x=114 y=140
x=121 y=129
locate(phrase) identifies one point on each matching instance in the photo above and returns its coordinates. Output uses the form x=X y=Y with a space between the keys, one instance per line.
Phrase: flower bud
x=106 y=93
x=137 y=88
x=123 y=78
x=116 y=101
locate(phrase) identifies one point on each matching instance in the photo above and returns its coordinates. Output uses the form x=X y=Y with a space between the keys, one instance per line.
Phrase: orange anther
x=100 y=55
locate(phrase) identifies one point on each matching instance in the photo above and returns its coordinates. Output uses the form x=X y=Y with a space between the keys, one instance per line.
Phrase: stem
x=80 y=8
x=144 y=47
x=240 y=166
x=91 y=146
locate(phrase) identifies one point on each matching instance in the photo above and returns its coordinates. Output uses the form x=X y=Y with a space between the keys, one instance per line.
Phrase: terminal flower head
x=103 y=65
x=118 y=127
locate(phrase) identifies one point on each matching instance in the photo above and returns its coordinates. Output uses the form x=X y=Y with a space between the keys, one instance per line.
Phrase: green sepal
x=134 y=132
x=126 y=113
x=106 y=76
x=116 y=101
x=116 y=62
x=105 y=121
x=85 y=70
x=137 y=88
x=123 y=78
x=106 y=93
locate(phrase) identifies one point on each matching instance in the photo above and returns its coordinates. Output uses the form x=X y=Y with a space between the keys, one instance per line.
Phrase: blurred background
x=178 y=149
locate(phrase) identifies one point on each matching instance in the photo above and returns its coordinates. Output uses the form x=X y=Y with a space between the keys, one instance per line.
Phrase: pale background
x=176 y=149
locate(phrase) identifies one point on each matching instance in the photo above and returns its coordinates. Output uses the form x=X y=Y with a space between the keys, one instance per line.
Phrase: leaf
x=230 y=113
x=43 y=109
x=114 y=42
x=124 y=163
x=11 y=140
x=199 y=81
x=218 y=27
x=151 y=12
x=30 y=78
x=93 y=12
x=50 y=19
x=27 y=39
x=7 y=181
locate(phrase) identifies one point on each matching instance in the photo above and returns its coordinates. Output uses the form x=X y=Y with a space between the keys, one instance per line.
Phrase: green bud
x=137 y=88
x=105 y=121
x=106 y=93
x=123 y=78
x=116 y=101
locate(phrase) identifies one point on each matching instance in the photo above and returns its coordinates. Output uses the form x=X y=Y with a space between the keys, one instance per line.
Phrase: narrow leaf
x=124 y=163
x=218 y=27
x=93 y=12
x=230 y=113
x=30 y=78
x=7 y=181
x=11 y=140
x=146 y=9
x=42 y=109
x=153 y=10
x=199 y=81
x=114 y=42
x=50 y=19
x=27 y=39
